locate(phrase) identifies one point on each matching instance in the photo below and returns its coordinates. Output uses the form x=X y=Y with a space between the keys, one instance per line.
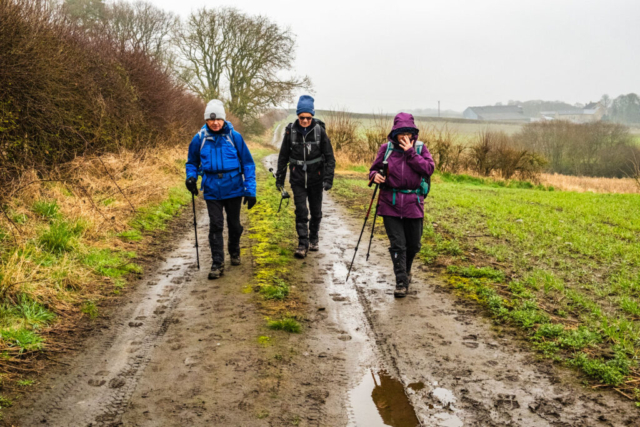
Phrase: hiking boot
x=301 y=252
x=401 y=291
x=216 y=271
x=235 y=260
x=313 y=246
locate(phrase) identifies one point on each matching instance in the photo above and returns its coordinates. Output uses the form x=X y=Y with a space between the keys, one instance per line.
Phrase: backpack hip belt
x=220 y=174
x=305 y=162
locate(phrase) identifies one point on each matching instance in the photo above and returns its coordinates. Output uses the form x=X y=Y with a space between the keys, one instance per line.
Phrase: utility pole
x=438 y=108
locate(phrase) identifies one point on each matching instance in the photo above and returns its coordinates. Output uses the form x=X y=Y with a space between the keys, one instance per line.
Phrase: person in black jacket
x=307 y=150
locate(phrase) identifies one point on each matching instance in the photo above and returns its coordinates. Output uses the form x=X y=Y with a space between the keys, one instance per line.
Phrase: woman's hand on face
x=379 y=179
x=405 y=142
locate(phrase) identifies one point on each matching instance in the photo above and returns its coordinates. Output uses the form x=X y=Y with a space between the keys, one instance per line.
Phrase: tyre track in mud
x=97 y=388
x=469 y=373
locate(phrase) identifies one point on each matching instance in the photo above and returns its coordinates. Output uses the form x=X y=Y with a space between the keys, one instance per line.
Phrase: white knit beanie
x=214 y=110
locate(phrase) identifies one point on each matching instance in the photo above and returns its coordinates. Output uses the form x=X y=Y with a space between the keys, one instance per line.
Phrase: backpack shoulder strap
x=294 y=134
x=419 y=146
x=389 y=150
x=318 y=134
x=203 y=138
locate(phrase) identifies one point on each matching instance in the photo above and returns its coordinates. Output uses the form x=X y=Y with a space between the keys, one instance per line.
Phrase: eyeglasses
x=302 y=119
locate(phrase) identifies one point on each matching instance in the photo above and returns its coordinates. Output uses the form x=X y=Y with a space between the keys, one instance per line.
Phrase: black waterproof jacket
x=306 y=149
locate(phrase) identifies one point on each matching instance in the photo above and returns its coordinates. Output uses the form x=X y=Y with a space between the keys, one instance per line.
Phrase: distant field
x=465 y=129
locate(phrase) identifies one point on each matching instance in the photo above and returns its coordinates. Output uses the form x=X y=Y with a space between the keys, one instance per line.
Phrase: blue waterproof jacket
x=224 y=162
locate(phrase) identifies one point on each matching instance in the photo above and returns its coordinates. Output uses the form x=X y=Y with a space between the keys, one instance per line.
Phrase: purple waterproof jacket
x=406 y=170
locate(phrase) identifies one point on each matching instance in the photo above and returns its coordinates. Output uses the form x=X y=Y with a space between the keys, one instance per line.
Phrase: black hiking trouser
x=216 y=226
x=300 y=196
x=405 y=235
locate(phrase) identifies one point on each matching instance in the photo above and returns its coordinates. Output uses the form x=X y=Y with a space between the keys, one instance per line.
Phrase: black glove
x=279 y=185
x=249 y=201
x=192 y=185
x=327 y=186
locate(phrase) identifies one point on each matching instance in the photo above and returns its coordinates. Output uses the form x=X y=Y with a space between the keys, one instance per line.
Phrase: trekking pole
x=195 y=227
x=375 y=190
x=384 y=170
x=283 y=192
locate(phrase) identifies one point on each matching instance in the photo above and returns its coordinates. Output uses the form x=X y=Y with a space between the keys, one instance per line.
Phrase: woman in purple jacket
x=401 y=202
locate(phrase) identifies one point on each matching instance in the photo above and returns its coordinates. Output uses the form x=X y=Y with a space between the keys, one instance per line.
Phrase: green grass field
x=562 y=267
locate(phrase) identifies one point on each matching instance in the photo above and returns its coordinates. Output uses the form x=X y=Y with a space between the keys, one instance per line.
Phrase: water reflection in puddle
x=379 y=400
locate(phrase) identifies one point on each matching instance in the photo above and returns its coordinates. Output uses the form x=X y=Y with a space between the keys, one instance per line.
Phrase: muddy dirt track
x=183 y=351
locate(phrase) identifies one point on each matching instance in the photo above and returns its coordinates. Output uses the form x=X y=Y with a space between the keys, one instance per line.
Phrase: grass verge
x=273 y=242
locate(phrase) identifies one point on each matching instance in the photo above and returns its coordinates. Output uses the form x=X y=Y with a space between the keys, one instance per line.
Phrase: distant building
x=592 y=112
x=499 y=113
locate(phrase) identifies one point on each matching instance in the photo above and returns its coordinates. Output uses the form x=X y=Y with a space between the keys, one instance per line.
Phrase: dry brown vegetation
x=589 y=184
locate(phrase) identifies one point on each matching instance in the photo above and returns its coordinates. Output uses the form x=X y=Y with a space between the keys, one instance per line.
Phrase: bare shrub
x=496 y=152
x=634 y=166
x=376 y=134
x=342 y=129
x=448 y=153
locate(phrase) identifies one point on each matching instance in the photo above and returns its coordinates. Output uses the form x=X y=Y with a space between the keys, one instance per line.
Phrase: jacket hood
x=402 y=121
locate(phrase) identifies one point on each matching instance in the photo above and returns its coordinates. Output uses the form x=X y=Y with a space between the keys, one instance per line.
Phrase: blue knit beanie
x=305 y=105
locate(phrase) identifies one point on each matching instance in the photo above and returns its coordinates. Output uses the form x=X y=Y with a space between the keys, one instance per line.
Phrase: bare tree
x=85 y=12
x=259 y=51
x=342 y=128
x=228 y=54
x=203 y=43
x=142 y=27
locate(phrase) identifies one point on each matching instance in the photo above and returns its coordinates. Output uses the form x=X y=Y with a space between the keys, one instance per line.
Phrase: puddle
x=379 y=400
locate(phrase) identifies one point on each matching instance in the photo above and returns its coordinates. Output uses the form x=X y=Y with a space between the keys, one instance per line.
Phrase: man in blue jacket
x=219 y=154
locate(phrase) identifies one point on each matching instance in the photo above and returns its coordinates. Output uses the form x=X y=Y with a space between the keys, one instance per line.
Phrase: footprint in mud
x=177 y=280
x=141 y=317
x=471 y=344
x=116 y=383
x=96 y=383
x=152 y=283
x=471 y=337
x=507 y=401
x=340 y=298
x=491 y=363
x=344 y=337
x=135 y=324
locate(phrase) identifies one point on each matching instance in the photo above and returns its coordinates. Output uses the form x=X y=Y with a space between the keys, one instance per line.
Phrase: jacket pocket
x=230 y=157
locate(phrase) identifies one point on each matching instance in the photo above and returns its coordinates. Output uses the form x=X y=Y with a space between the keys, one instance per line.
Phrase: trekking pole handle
x=383 y=172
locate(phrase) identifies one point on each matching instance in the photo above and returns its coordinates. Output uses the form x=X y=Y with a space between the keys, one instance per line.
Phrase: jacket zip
x=304 y=156
x=402 y=185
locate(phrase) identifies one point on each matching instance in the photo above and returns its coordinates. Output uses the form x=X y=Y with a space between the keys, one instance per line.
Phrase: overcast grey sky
x=391 y=55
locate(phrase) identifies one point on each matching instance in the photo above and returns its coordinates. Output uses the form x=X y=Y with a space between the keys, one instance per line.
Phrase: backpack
x=425 y=184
